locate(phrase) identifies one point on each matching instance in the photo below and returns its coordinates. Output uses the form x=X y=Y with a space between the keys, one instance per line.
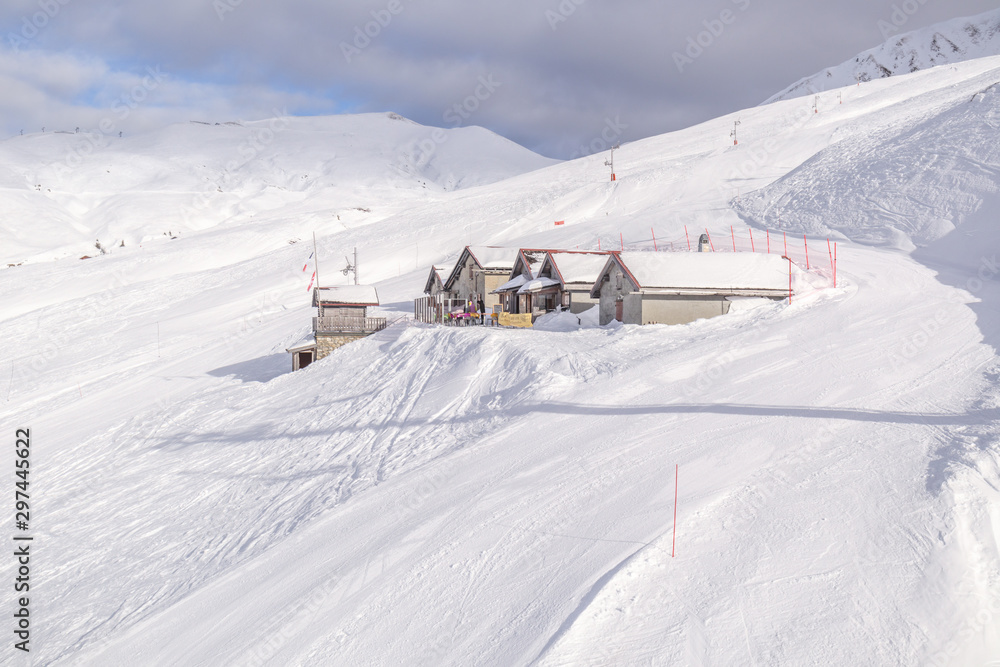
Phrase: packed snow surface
x=436 y=495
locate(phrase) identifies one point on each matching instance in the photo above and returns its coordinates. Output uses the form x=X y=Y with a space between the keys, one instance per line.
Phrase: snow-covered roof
x=537 y=284
x=440 y=272
x=700 y=272
x=493 y=257
x=348 y=295
x=577 y=267
x=512 y=284
x=307 y=342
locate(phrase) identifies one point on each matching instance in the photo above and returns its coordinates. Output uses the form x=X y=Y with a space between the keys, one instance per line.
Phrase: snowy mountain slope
x=79 y=188
x=957 y=40
x=910 y=180
x=457 y=496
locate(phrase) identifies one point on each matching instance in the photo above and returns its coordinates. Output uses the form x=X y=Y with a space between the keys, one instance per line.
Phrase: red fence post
x=709 y=239
x=753 y=248
x=654 y=238
x=674 y=543
x=734 y=237
x=687 y=237
x=805 y=242
x=622 y=239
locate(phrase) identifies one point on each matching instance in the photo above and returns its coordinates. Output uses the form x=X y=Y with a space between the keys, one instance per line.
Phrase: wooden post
x=789 y=279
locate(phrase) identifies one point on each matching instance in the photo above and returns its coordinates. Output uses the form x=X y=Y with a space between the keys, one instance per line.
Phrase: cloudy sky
x=552 y=75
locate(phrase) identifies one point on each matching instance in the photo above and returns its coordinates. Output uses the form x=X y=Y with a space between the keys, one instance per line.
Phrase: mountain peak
x=943 y=43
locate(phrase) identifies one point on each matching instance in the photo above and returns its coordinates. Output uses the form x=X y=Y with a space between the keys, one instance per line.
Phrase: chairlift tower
x=352 y=268
x=816 y=104
x=611 y=162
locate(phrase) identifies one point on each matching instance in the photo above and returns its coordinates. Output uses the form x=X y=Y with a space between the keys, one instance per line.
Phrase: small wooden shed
x=678 y=287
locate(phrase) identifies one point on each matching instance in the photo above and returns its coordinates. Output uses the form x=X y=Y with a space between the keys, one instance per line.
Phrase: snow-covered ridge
x=951 y=41
x=62 y=191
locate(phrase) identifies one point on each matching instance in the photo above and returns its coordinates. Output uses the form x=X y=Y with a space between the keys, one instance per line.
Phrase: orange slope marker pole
x=733 y=234
x=753 y=248
x=805 y=242
x=687 y=237
x=654 y=238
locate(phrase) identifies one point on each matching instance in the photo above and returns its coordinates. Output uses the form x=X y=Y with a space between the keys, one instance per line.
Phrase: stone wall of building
x=327 y=344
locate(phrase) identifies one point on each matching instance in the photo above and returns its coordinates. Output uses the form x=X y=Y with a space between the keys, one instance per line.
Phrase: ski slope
x=470 y=496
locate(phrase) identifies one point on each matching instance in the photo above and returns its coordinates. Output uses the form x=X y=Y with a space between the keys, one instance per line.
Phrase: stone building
x=479 y=271
x=341 y=318
x=677 y=288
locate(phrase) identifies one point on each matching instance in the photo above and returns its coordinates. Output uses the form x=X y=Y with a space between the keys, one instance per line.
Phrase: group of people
x=470 y=313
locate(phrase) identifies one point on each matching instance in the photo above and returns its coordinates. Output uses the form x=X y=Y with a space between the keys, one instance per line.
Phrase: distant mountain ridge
x=943 y=43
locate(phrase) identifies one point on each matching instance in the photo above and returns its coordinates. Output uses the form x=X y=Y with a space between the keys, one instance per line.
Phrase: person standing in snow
x=482 y=311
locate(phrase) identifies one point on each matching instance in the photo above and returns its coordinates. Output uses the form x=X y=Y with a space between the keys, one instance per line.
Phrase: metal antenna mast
x=611 y=162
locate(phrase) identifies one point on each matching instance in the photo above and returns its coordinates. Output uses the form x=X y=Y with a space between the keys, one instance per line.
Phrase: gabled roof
x=489 y=258
x=348 y=295
x=438 y=272
x=572 y=267
x=700 y=273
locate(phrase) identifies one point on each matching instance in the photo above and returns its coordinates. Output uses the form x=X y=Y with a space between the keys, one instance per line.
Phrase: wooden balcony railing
x=362 y=325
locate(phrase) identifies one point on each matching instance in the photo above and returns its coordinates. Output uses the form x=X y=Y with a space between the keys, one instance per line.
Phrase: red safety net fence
x=814 y=254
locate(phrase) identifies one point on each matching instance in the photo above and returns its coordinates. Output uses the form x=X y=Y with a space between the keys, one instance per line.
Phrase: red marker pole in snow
x=753 y=248
x=712 y=245
x=733 y=234
x=829 y=250
x=673 y=546
x=622 y=239
x=687 y=237
x=654 y=238
x=768 y=232
x=805 y=242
